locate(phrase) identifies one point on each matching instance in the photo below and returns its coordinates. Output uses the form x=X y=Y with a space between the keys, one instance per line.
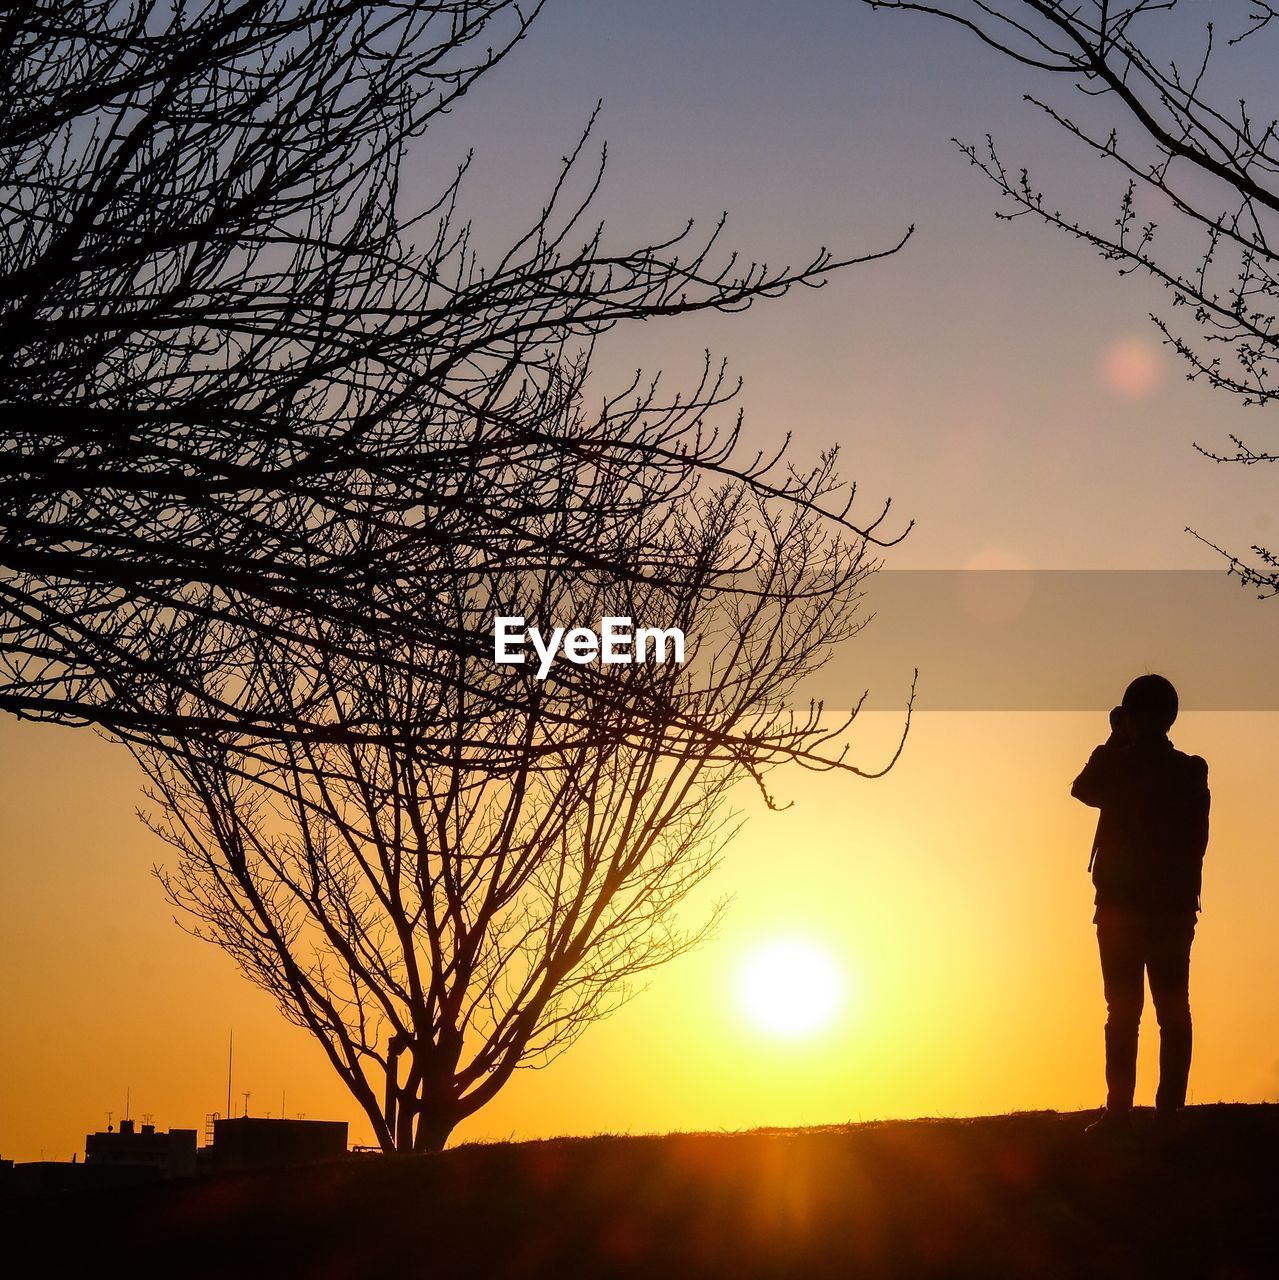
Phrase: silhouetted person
x=1146 y=864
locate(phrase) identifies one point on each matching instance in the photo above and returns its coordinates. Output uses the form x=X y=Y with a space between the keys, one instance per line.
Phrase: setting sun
x=789 y=988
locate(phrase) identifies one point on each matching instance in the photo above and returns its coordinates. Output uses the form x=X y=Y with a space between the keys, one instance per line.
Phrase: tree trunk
x=434 y=1124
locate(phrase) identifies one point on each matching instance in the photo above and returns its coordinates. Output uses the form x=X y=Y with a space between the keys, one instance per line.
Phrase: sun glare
x=789 y=988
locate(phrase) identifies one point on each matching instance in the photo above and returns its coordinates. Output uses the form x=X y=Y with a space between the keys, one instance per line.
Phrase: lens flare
x=1130 y=368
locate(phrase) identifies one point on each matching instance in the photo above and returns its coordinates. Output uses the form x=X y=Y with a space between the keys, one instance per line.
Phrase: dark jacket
x=1153 y=828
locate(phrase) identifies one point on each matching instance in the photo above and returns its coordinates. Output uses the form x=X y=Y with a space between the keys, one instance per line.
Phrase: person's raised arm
x=1097 y=781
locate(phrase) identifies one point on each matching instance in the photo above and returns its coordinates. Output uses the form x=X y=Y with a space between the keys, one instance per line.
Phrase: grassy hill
x=1022 y=1195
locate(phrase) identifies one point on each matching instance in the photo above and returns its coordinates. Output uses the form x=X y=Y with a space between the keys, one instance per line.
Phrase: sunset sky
x=1003 y=386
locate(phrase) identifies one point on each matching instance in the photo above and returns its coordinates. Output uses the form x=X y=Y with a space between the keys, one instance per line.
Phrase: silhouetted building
x=40 y=1177
x=252 y=1142
x=139 y=1155
x=167 y=1155
x=49 y=1177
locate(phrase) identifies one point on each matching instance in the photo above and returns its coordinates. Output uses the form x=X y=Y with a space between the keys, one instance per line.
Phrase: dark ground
x=1021 y=1195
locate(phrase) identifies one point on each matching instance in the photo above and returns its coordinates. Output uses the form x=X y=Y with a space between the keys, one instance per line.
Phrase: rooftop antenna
x=110 y=1119
x=283 y=1113
x=127 y=1094
x=230 y=1051
x=246 y=1102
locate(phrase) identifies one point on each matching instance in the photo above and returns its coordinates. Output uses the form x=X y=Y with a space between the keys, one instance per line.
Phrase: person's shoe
x=1110 y=1124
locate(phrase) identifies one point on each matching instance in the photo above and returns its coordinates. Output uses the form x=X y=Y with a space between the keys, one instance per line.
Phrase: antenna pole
x=230 y=1051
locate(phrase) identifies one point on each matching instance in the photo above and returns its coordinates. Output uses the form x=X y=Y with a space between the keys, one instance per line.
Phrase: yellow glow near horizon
x=790 y=988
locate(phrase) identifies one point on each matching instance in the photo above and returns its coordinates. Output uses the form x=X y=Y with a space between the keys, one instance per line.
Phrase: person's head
x=1151 y=705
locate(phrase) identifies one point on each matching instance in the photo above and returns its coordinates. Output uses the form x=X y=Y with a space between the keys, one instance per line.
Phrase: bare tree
x=438 y=917
x=1159 y=104
x=251 y=404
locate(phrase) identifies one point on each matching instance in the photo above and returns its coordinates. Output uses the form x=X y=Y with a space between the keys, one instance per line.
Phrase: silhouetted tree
x=1163 y=109
x=252 y=406
x=438 y=916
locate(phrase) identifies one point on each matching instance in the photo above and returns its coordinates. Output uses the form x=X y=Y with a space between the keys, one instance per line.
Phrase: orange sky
x=952 y=895
x=996 y=381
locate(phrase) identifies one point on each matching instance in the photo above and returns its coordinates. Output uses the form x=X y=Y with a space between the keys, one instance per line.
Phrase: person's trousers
x=1134 y=946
